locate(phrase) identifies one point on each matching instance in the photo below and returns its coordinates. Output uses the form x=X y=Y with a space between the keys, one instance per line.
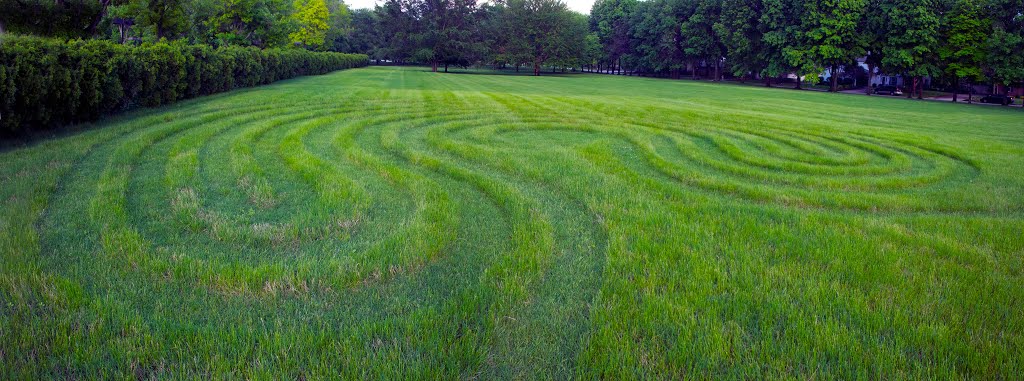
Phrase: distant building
x=879 y=78
x=887 y=79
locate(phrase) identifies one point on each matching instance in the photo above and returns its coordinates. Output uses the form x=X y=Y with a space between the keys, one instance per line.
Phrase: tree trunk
x=767 y=81
x=536 y=68
x=445 y=68
x=956 y=88
x=834 y=80
x=619 y=65
x=91 y=29
x=871 y=75
x=920 y=87
x=717 y=72
x=799 y=85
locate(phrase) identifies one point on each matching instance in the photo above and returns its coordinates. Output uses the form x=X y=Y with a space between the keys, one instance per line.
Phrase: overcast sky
x=581 y=6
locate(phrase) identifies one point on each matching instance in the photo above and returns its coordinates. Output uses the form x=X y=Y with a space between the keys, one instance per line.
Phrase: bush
x=48 y=83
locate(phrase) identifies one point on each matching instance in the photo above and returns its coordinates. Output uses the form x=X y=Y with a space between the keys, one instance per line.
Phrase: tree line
x=519 y=33
x=311 y=24
x=953 y=42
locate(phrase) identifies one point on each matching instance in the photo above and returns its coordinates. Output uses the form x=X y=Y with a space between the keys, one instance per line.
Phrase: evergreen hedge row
x=48 y=83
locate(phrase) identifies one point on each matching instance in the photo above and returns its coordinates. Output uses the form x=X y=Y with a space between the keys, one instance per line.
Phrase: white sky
x=581 y=6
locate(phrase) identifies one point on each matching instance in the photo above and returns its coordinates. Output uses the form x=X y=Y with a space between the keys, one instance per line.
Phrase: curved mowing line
x=510 y=277
x=425 y=230
x=531 y=342
x=433 y=220
x=291 y=146
x=292 y=153
x=182 y=170
x=537 y=288
x=809 y=191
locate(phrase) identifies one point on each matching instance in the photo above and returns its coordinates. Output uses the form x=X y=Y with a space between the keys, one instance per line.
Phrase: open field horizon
x=390 y=222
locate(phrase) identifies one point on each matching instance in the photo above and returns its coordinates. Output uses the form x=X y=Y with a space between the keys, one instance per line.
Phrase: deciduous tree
x=311 y=18
x=540 y=30
x=742 y=33
x=963 y=49
x=830 y=36
x=910 y=44
x=1004 y=61
x=700 y=29
x=610 y=19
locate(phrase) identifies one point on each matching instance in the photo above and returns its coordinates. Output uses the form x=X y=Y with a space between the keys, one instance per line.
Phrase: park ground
x=395 y=223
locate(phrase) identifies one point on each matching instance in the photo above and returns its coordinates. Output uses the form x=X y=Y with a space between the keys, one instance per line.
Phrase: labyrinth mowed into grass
x=392 y=222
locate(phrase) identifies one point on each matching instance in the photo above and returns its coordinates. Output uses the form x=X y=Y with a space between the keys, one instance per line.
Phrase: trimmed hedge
x=48 y=83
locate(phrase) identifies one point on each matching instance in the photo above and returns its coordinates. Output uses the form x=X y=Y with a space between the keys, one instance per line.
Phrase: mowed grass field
x=396 y=223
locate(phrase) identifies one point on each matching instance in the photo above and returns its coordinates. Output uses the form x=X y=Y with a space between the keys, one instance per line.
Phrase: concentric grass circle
x=300 y=175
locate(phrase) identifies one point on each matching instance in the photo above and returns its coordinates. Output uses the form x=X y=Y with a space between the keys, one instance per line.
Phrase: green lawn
x=397 y=223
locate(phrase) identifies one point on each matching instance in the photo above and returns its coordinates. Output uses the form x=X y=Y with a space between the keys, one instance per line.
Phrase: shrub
x=48 y=83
